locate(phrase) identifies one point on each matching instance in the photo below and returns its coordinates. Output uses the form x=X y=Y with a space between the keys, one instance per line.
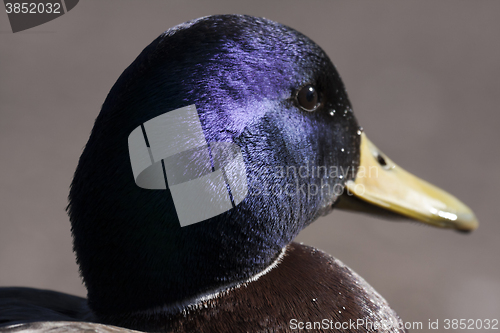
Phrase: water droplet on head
x=332 y=112
x=360 y=130
x=342 y=149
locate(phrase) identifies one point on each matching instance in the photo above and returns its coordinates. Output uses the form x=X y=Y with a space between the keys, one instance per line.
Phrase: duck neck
x=199 y=301
x=164 y=271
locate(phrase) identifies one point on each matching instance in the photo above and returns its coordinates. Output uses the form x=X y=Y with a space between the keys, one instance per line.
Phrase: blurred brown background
x=424 y=80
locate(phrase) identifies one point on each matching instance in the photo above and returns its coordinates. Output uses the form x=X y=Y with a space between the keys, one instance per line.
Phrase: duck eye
x=307 y=98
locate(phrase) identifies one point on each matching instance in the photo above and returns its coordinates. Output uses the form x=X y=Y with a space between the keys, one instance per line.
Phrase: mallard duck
x=226 y=137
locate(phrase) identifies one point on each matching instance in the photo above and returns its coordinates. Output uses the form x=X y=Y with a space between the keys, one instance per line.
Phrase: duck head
x=261 y=87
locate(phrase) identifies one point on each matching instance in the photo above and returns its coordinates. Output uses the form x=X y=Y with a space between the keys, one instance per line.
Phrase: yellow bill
x=382 y=187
